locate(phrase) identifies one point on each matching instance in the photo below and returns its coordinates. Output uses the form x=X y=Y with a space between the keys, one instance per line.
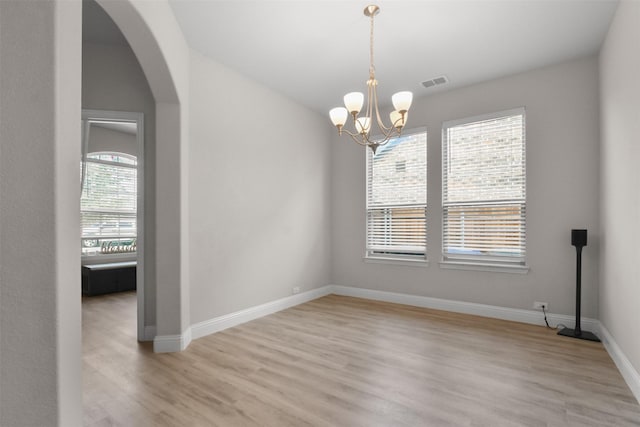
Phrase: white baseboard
x=625 y=367
x=513 y=314
x=230 y=320
x=172 y=343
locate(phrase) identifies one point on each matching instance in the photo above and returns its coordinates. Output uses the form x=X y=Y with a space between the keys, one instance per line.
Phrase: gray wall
x=40 y=363
x=113 y=80
x=561 y=104
x=620 y=207
x=40 y=109
x=259 y=193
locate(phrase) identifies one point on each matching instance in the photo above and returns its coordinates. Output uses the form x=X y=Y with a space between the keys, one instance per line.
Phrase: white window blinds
x=108 y=203
x=483 y=188
x=397 y=198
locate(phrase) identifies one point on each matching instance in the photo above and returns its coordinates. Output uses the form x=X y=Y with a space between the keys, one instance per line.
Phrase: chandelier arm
x=351 y=134
x=385 y=130
x=385 y=133
x=385 y=137
x=364 y=142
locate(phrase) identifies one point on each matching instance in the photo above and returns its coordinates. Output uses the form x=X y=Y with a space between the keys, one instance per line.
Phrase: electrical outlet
x=296 y=290
x=537 y=305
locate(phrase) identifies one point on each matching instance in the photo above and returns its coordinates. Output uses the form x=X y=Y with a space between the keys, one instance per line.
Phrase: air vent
x=435 y=81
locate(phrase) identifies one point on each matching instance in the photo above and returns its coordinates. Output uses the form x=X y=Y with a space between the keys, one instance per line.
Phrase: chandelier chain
x=372 y=68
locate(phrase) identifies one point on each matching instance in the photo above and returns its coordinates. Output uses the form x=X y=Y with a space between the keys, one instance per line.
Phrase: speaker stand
x=583 y=335
x=577 y=332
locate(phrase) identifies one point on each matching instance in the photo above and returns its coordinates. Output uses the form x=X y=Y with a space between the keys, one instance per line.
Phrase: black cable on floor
x=545 y=317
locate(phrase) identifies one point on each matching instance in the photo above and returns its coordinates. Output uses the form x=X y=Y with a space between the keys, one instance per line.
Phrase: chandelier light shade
x=354 y=102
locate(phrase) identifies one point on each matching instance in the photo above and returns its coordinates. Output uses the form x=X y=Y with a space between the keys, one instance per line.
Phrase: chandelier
x=354 y=101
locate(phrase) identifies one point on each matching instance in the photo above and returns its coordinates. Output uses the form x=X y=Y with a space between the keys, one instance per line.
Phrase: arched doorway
x=153 y=34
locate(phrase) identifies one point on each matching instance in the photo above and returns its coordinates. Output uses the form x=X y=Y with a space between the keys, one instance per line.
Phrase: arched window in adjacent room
x=108 y=203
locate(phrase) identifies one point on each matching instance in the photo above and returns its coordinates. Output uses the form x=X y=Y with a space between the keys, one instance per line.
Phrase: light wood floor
x=340 y=361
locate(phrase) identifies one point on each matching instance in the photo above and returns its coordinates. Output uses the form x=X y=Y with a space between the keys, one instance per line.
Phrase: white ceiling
x=315 y=51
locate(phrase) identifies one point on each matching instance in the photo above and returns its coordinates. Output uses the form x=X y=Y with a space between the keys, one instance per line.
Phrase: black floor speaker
x=578 y=239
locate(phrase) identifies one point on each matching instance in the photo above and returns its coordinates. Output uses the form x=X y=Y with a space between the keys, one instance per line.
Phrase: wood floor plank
x=340 y=361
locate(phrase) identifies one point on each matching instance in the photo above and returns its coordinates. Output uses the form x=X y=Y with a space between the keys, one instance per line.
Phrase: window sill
x=108 y=258
x=423 y=263
x=474 y=266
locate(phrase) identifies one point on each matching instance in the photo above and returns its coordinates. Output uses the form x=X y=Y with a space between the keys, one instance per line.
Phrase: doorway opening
x=112 y=205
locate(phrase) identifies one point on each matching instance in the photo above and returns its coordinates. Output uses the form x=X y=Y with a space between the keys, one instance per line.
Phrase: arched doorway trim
x=157 y=41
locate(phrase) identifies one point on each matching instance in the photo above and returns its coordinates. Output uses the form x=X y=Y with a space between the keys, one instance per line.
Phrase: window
x=108 y=203
x=397 y=198
x=483 y=189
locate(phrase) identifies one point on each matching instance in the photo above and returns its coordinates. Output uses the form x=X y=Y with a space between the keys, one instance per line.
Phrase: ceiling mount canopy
x=354 y=102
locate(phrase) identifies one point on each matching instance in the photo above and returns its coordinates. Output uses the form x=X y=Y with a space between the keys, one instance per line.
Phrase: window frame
x=417 y=259
x=125 y=165
x=490 y=262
